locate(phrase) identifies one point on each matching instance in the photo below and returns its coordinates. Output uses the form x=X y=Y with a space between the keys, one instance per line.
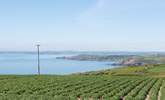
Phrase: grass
x=152 y=70
x=157 y=69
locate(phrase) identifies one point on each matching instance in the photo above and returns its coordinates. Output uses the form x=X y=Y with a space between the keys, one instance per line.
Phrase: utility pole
x=38 y=48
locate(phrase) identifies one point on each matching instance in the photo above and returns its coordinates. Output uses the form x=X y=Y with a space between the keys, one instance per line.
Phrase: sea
x=25 y=63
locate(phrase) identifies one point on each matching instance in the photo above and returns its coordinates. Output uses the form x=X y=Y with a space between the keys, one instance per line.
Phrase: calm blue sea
x=26 y=63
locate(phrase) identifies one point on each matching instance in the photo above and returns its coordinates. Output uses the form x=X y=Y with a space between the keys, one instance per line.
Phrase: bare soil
x=159 y=93
x=148 y=96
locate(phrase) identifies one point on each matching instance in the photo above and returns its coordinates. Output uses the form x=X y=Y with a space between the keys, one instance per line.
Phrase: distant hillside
x=144 y=60
x=152 y=70
x=85 y=57
x=123 y=60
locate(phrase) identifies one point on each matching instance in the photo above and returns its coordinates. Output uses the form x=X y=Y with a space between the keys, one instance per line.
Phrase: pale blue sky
x=111 y=25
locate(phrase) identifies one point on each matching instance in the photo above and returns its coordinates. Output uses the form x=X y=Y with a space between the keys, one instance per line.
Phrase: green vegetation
x=155 y=90
x=127 y=83
x=149 y=70
x=157 y=69
x=163 y=91
x=121 y=71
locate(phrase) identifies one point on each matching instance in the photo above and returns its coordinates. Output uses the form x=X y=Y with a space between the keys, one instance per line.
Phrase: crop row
x=74 y=87
x=155 y=90
x=163 y=91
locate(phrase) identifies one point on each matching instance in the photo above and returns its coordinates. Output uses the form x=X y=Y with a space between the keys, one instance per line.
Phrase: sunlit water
x=22 y=63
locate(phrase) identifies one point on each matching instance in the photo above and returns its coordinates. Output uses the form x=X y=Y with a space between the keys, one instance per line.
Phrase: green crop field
x=128 y=83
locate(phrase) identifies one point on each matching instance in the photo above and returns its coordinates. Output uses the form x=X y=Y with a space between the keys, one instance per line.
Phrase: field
x=129 y=83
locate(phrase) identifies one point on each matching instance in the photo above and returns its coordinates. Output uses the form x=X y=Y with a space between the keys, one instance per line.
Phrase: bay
x=26 y=63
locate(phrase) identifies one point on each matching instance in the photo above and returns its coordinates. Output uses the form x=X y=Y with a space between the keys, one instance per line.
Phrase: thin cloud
x=89 y=17
x=100 y=3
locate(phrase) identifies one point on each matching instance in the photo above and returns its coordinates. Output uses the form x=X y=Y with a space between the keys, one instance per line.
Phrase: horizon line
x=82 y=51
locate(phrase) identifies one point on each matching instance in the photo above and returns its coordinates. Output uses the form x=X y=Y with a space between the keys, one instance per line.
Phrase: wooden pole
x=38 y=48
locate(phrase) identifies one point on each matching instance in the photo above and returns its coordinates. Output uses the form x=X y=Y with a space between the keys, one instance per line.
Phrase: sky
x=94 y=25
